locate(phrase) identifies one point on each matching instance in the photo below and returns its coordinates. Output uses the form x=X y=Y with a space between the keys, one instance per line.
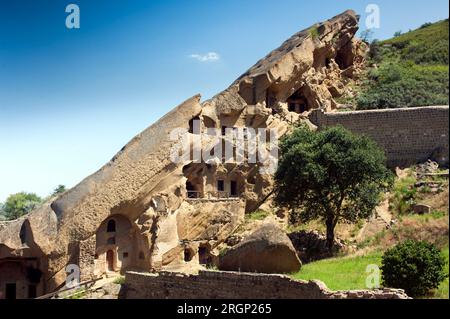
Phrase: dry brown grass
x=439 y=202
x=435 y=231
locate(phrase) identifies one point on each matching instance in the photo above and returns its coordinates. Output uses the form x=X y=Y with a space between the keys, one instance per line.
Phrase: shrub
x=404 y=195
x=314 y=33
x=120 y=280
x=415 y=266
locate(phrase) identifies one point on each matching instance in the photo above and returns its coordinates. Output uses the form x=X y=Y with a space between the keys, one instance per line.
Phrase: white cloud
x=208 y=57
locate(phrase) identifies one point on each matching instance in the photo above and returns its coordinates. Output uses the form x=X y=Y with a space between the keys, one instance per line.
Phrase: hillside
x=410 y=69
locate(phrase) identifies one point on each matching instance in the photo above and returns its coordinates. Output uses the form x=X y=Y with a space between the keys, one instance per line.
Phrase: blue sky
x=70 y=99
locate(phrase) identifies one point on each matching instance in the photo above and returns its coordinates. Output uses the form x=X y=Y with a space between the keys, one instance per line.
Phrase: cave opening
x=194 y=125
x=297 y=102
x=343 y=59
x=188 y=255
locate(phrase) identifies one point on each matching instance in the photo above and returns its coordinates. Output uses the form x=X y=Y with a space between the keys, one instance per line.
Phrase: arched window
x=111 y=227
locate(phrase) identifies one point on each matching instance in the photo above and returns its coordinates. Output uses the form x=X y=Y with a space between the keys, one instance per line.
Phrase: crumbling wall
x=233 y=285
x=407 y=135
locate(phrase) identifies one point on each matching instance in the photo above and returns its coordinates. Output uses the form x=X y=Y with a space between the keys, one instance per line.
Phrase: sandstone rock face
x=145 y=211
x=268 y=250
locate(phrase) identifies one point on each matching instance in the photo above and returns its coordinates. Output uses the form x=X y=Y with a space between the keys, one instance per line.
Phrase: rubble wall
x=233 y=285
x=408 y=135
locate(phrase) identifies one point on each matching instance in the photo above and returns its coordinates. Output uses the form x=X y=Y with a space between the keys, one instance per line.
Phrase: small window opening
x=221 y=185
x=111 y=227
x=188 y=255
x=233 y=189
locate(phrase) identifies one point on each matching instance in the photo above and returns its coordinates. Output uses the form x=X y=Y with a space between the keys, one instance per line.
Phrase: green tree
x=2 y=216
x=20 y=204
x=59 y=190
x=331 y=175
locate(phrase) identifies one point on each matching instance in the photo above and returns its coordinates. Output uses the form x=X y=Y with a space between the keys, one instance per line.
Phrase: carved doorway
x=110 y=260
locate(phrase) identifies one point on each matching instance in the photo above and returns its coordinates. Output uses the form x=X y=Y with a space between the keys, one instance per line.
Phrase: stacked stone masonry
x=233 y=285
x=408 y=135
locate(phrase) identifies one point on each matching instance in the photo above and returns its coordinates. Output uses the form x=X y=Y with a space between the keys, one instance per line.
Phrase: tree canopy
x=330 y=175
x=19 y=204
x=59 y=189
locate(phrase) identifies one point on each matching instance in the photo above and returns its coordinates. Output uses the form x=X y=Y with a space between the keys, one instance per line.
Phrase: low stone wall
x=408 y=135
x=233 y=285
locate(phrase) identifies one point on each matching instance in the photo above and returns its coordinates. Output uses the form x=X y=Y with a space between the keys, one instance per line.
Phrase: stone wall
x=408 y=135
x=233 y=285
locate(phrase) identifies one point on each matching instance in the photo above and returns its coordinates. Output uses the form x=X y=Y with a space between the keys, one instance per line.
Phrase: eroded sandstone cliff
x=144 y=211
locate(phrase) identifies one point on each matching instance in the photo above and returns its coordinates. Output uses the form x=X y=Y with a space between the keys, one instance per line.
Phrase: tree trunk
x=330 y=233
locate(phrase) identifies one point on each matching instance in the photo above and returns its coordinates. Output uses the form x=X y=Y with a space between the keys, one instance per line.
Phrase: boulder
x=312 y=245
x=267 y=250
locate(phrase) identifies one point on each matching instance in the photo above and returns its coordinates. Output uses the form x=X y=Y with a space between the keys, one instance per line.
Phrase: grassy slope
x=340 y=273
x=350 y=272
x=412 y=70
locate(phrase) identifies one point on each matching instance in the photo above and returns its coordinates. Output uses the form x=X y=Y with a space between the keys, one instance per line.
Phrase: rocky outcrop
x=268 y=250
x=312 y=245
x=156 y=199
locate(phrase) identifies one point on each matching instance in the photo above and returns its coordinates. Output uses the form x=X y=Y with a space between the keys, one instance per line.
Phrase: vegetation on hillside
x=20 y=204
x=349 y=273
x=408 y=70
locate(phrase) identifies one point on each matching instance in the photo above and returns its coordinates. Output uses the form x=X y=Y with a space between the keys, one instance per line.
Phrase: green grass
x=78 y=294
x=436 y=214
x=345 y=273
x=257 y=215
x=349 y=273
x=442 y=291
